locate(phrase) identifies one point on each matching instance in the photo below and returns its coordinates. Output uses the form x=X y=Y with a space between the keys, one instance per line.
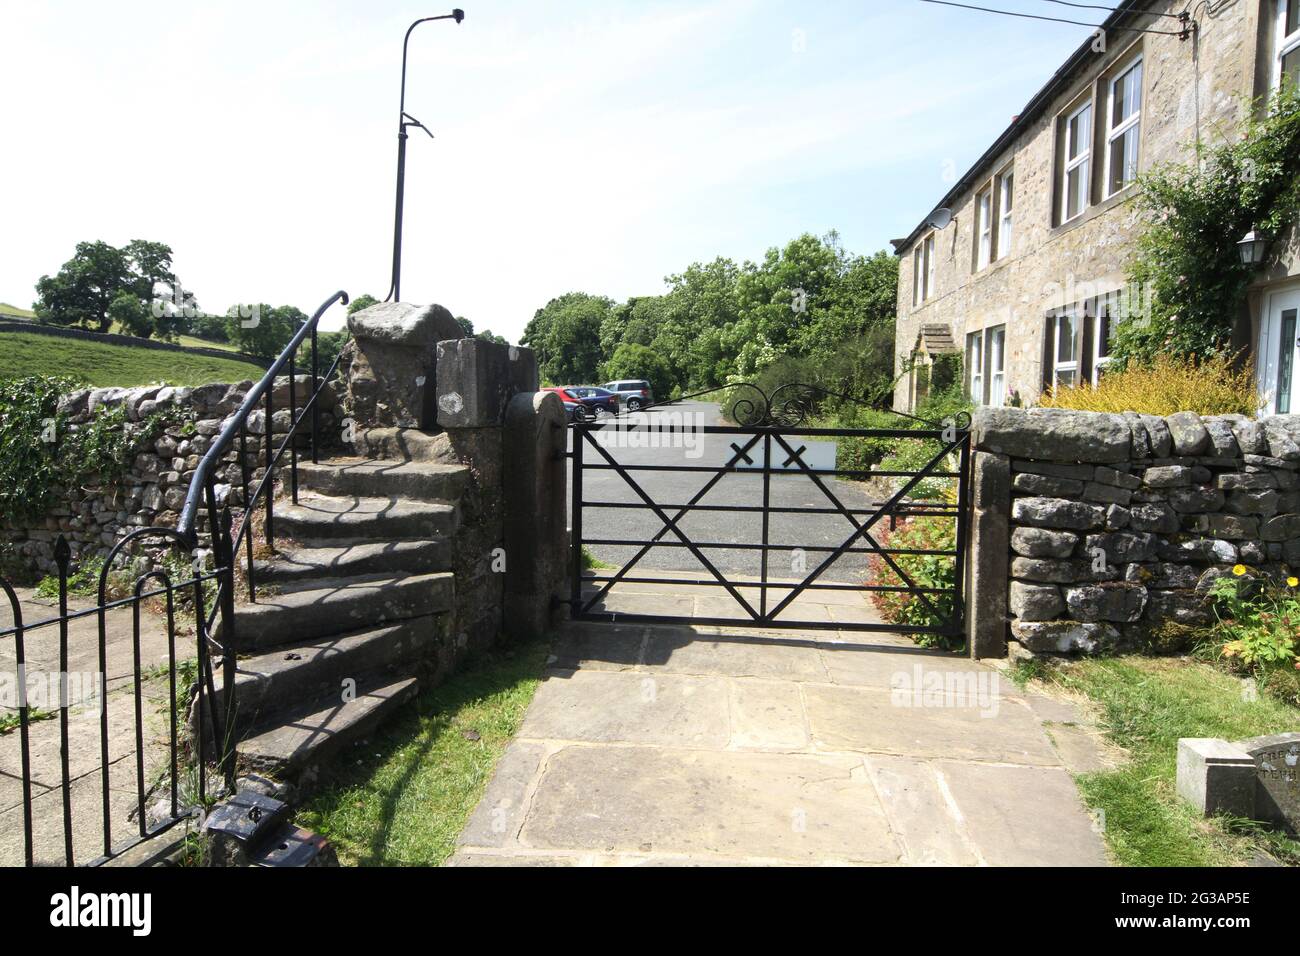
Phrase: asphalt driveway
x=790 y=490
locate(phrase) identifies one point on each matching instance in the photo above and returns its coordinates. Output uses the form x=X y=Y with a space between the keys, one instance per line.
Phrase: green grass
x=1146 y=705
x=402 y=798
x=7 y=309
x=102 y=364
x=592 y=563
x=11 y=720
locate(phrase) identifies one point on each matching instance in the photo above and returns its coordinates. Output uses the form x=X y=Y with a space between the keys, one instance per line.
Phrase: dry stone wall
x=95 y=515
x=1115 y=527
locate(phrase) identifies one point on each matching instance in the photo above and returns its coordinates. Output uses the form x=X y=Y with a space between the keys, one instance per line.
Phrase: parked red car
x=592 y=400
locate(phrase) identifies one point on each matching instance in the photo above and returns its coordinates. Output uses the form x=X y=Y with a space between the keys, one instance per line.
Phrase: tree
x=93 y=281
x=465 y=324
x=131 y=315
x=639 y=361
x=360 y=302
x=487 y=335
x=83 y=289
x=263 y=330
x=565 y=333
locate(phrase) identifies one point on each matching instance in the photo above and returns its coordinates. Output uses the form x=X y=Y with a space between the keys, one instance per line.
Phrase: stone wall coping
x=1067 y=435
x=404 y=323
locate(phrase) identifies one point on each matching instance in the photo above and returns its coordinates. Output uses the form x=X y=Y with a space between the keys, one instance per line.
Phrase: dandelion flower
x=1292 y=582
x=1238 y=569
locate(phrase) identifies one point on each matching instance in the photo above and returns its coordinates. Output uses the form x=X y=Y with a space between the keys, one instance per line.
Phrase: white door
x=1279 y=353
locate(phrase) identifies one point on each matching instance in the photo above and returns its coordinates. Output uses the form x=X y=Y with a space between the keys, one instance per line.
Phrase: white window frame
x=1006 y=204
x=1068 y=165
x=918 y=290
x=995 y=345
x=1285 y=43
x=1106 y=314
x=1116 y=131
x=929 y=267
x=984 y=228
x=975 y=366
x=1057 y=365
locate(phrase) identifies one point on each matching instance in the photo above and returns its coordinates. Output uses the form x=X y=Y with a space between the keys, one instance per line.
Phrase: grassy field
x=1146 y=705
x=424 y=771
x=7 y=309
x=101 y=363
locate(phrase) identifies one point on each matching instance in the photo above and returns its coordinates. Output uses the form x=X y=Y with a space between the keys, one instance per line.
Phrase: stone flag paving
x=671 y=746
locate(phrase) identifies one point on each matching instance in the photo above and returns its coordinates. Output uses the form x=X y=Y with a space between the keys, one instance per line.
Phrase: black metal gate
x=772 y=446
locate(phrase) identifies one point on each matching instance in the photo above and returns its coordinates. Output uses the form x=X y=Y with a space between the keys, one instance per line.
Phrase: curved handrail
x=185 y=527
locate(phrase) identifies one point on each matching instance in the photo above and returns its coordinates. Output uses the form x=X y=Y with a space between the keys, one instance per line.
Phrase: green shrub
x=28 y=426
x=1259 y=622
x=39 y=452
x=924 y=571
x=83 y=581
x=913 y=454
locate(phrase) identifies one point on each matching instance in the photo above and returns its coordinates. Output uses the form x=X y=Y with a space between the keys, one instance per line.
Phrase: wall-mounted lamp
x=1251 y=247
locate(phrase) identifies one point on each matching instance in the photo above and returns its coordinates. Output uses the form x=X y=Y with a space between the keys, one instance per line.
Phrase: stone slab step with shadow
x=296 y=566
x=339 y=607
x=428 y=481
x=319 y=728
x=318 y=668
x=318 y=518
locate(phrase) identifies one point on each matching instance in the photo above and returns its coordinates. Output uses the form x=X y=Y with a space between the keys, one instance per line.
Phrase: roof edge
x=1127 y=9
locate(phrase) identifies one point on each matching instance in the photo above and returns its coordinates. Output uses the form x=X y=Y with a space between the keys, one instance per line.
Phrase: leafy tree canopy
x=89 y=290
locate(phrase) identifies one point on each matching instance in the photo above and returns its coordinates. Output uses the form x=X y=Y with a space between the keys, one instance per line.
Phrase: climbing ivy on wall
x=40 y=452
x=1187 y=257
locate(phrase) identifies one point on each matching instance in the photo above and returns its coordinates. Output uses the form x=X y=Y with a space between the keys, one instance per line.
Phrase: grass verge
x=1146 y=705
x=402 y=798
x=102 y=363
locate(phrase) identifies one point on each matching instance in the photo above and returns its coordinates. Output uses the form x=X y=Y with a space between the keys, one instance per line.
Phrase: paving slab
x=921 y=812
x=886 y=665
x=780 y=806
x=500 y=813
x=640 y=708
x=879 y=721
x=1024 y=816
x=713 y=745
x=687 y=651
x=767 y=715
x=596 y=646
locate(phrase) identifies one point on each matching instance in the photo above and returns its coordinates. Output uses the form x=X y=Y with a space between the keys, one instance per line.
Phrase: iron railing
x=209 y=716
x=202 y=485
x=187 y=752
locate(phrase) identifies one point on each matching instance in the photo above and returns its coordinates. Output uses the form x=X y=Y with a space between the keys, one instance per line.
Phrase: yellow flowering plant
x=1258 y=622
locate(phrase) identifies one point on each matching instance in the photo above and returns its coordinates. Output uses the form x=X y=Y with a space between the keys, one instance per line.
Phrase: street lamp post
x=404 y=120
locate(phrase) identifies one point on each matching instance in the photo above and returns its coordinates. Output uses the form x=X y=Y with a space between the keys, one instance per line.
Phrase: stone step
x=338 y=608
x=313 y=731
x=319 y=518
x=271 y=681
x=430 y=481
x=402 y=444
x=296 y=567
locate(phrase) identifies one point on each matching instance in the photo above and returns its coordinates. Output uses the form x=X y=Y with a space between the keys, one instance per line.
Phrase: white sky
x=581 y=146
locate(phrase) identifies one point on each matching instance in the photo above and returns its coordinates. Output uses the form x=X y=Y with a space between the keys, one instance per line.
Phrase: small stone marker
x=1216 y=776
x=1276 y=759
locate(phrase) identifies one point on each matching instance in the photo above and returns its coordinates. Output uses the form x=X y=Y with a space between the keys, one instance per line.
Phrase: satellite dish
x=940 y=218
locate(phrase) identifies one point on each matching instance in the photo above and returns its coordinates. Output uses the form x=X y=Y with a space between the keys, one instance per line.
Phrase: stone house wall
x=1096 y=532
x=95 y=516
x=1186 y=98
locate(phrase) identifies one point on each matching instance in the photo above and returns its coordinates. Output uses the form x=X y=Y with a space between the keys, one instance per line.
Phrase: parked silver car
x=635 y=392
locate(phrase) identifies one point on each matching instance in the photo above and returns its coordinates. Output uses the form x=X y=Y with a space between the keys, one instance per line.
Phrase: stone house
x=1029 y=273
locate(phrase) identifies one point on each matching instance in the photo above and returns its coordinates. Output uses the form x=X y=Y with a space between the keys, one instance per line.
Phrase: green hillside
x=13 y=310
x=102 y=364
